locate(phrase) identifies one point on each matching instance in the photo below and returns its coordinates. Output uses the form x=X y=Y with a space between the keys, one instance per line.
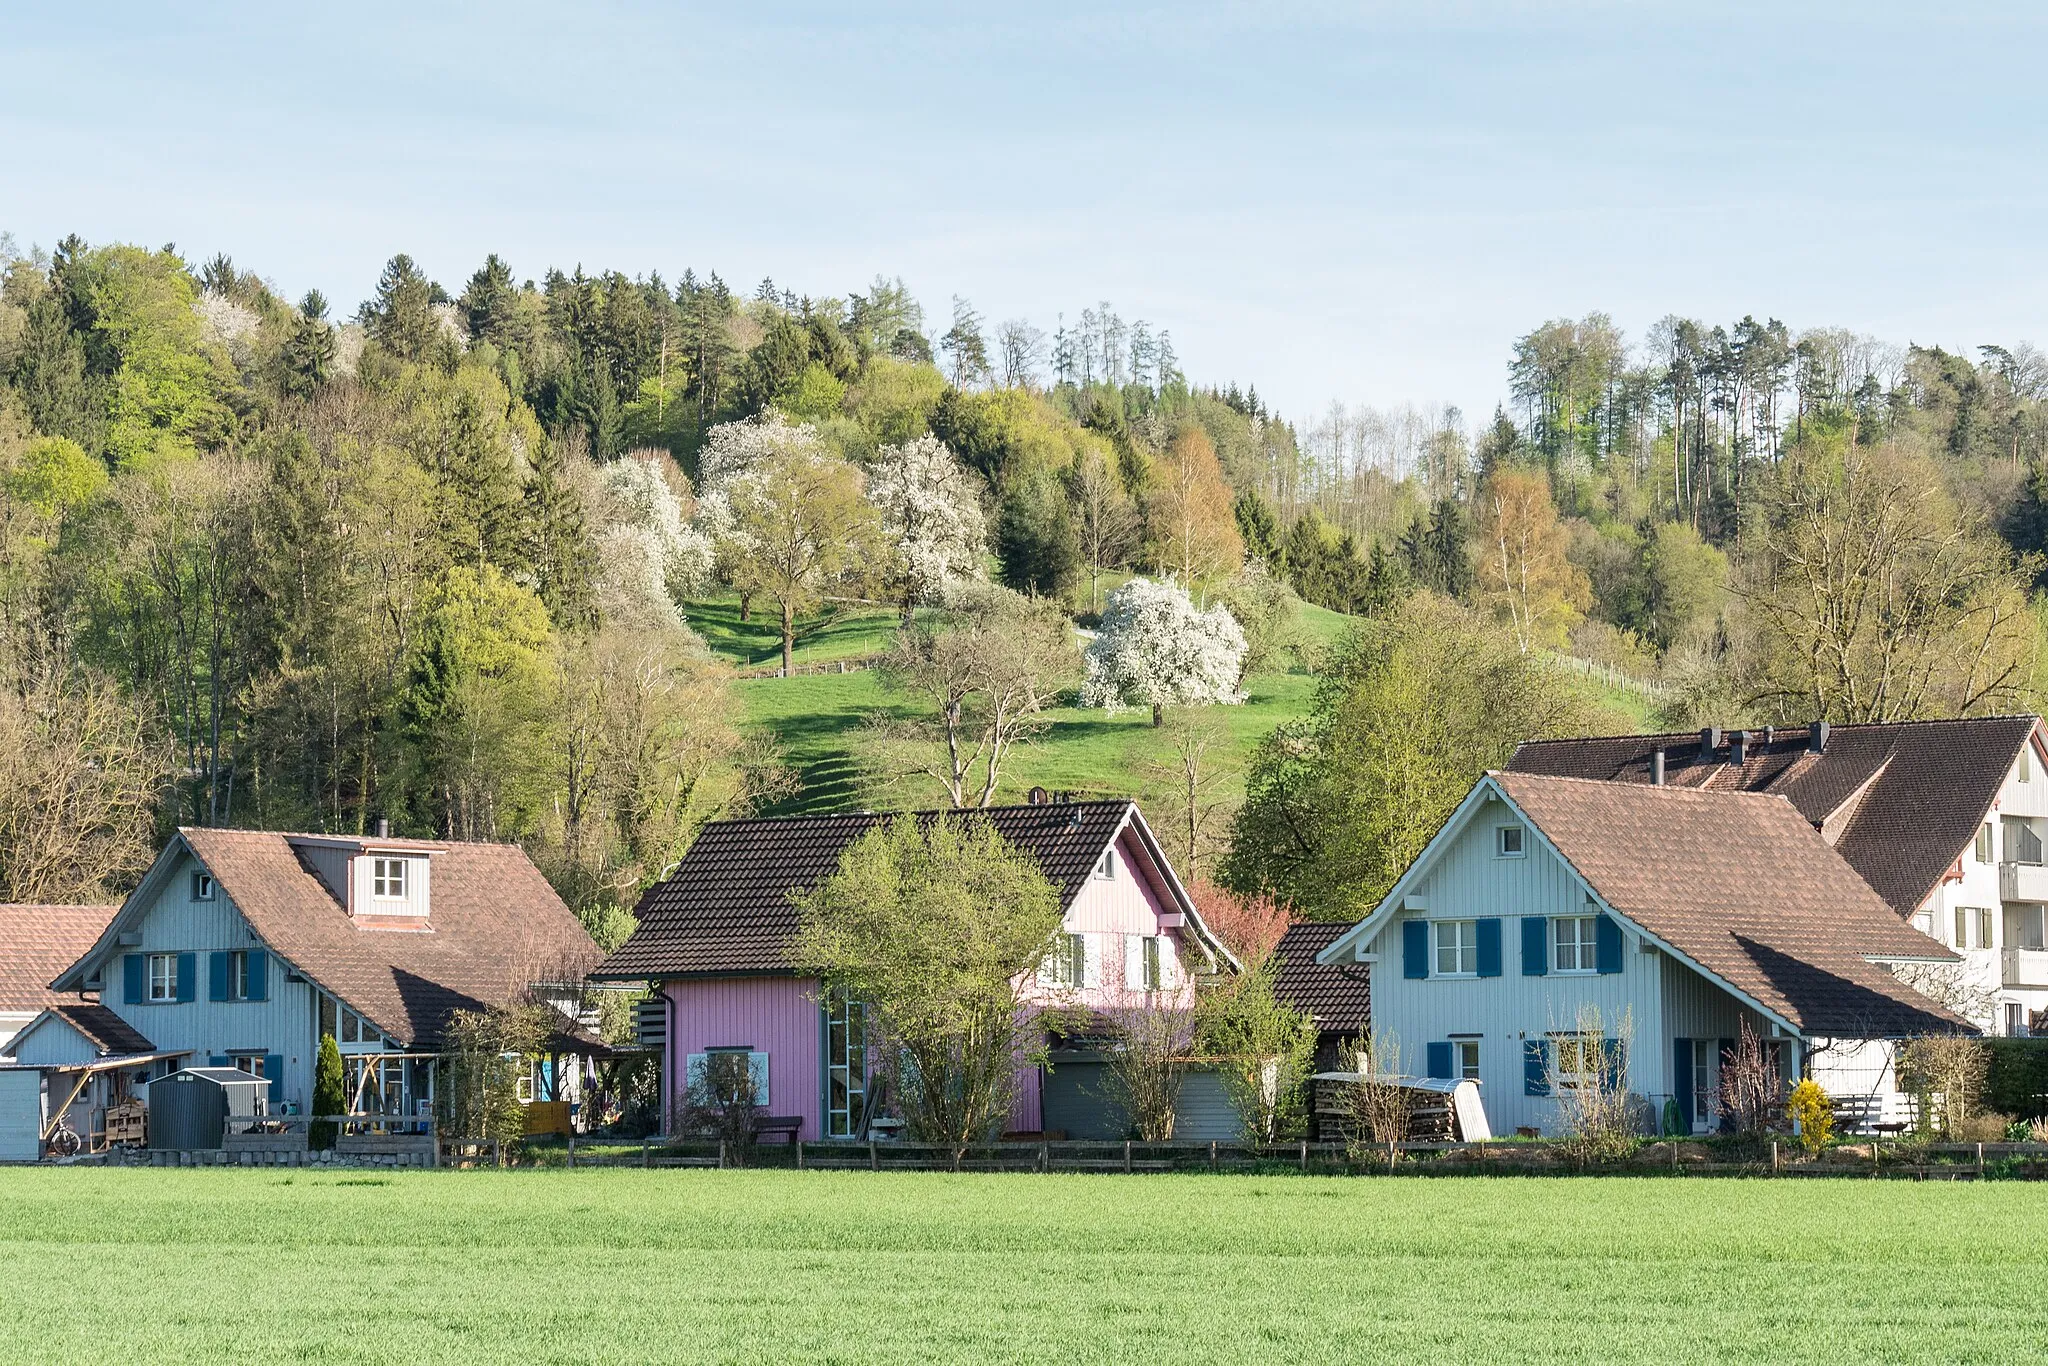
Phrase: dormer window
x=387 y=879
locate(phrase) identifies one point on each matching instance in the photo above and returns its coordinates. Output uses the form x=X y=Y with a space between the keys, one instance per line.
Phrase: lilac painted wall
x=777 y=1015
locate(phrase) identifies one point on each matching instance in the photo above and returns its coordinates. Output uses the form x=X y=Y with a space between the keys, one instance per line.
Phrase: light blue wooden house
x=1667 y=919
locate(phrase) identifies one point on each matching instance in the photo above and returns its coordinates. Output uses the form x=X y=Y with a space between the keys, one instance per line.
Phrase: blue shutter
x=1681 y=1079
x=1611 y=1059
x=1440 y=1061
x=273 y=1072
x=259 y=975
x=1607 y=944
x=216 y=977
x=1489 y=947
x=188 y=972
x=218 y=1060
x=1535 y=1067
x=1415 y=948
x=1535 y=945
x=131 y=978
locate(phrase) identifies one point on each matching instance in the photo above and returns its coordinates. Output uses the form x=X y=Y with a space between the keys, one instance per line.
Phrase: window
x=1106 y=869
x=2026 y=764
x=163 y=977
x=846 y=1066
x=1067 y=964
x=1457 y=948
x=1962 y=939
x=1465 y=1059
x=387 y=879
x=238 y=975
x=2015 y=1020
x=2022 y=841
x=1143 y=959
x=252 y=1063
x=1574 y=951
x=1507 y=841
x=2023 y=926
x=1984 y=843
x=202 y=886
x=1578 y=1061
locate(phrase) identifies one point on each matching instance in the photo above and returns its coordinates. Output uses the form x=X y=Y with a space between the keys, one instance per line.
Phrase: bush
x=1984 y=1126
x=2017 y=1080
x=1812 y=1116
x=330 y=1093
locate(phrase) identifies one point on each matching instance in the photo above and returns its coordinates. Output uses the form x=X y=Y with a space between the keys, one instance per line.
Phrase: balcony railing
x=2023 y=882
x=2025 y=968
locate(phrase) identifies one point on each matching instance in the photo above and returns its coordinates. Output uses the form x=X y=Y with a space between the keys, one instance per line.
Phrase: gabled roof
x=37 y=943
x=108 y=1033
x=1336 y=996
x=496 y=927
x=1738 y=885
x=726 y=907
x=1907 y=796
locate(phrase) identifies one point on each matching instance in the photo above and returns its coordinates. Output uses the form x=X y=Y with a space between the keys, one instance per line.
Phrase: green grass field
x=631 y=1266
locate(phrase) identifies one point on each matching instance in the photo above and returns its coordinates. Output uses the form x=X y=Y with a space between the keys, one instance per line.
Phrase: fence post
x=646 y=1153
x=1044 y=1157
x=1774 y=1155
x=1127 y=1157
x=873 y=1165
x=1213 y=1166
x=1980 y=1161
x=799 y=1154
x=721 y=1154
x=1304 y=1155
x=572 y=1149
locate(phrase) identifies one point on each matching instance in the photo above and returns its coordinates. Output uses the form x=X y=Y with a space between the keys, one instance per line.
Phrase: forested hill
x=480 y=556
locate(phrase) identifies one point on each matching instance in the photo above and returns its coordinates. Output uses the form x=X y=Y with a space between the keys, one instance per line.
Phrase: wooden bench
x=789 y=1126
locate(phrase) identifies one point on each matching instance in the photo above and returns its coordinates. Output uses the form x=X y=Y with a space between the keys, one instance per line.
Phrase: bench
x=789 y=1126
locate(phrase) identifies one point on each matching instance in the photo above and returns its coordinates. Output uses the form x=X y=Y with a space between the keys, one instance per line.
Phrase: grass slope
x=816 y=717
x=631 y=1266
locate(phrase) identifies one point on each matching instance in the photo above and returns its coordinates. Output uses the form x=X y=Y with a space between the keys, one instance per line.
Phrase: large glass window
x=1574 y=950
x=163 y=977
x=846 y=1066
x=1457 y=948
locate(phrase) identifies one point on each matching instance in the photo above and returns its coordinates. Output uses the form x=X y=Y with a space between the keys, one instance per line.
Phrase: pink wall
x=776 y=1015
x=1116 y=909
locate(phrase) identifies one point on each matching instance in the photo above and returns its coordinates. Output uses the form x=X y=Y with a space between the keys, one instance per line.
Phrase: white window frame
x=168 y=981
x=1067 y=964
x=1501 y=840
x=1575 y=1079
x=1463 y=944
x=385 y=874
x=203 y=887
x=1105 y=867
x=1583 y=944
x=238 y=974
x=1465 y=1059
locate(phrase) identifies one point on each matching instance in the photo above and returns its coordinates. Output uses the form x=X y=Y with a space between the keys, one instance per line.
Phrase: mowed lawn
x=628 y=1266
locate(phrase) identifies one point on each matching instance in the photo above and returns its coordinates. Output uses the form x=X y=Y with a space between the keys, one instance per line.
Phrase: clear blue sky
x=1362 y=202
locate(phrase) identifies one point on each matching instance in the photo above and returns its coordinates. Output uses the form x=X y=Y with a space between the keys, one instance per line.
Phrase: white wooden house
x=1671 y=917
x=1946 y=820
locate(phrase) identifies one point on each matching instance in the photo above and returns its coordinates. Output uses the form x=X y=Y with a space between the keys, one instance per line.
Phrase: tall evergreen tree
x=400 y=316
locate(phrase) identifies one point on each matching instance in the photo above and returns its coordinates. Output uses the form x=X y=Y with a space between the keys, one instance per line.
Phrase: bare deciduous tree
x=1377 y=1098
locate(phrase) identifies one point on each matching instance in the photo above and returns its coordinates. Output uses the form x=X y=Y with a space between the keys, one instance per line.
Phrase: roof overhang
x=112 y=1063
x=1134 y=819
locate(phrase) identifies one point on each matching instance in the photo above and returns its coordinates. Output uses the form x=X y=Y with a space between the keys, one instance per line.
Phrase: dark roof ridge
x=794 y=817
x=1646 y=789
x=1789 y=729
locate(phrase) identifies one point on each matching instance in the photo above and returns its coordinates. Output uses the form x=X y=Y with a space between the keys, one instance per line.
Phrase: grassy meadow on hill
x=632 y=1266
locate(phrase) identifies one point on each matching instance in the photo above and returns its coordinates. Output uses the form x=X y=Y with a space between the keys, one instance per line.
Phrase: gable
x=50 y=1040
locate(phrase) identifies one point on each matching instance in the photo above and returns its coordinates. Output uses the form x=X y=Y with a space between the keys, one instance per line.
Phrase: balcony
x=2023 y=882
x=2024 y=968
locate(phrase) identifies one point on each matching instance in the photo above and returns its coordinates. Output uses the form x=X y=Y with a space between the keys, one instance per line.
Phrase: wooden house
x=1669 y=918
x=37 y=943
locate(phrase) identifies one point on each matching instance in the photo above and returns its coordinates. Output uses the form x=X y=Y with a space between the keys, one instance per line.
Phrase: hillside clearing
x=735 y=1266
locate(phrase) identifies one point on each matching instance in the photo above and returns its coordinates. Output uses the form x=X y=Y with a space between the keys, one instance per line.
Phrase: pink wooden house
x=713 y=942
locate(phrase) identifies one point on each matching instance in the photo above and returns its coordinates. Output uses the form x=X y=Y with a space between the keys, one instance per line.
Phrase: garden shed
x=190 y=1108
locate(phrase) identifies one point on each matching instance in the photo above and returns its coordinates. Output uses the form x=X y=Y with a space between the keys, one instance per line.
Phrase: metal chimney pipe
x=1657 y=767
x=1738 y=747
x=1817 y=737
x=383 y=828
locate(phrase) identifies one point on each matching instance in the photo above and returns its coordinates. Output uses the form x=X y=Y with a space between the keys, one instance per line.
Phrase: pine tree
x=49 y=373
x=557 y=549
x=490 y=302
x=400 y=318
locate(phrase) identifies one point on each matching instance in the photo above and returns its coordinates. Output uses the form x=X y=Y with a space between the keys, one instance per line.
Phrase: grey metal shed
x=190 y=1108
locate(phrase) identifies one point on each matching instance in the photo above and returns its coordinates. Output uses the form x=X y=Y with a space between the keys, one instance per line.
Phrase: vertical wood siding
x=779 y=1016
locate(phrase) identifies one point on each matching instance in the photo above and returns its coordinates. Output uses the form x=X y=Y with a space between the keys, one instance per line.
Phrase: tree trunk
x=1158 y=715
x=746 y=607
x=788 y=636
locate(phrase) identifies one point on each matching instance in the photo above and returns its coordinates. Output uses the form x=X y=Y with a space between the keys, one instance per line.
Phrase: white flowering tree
x=732 y=448
x=648 y=553
x=1157 y=649
x=931 y=519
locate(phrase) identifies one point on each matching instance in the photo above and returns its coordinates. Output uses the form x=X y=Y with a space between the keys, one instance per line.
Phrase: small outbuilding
x=190 y=1108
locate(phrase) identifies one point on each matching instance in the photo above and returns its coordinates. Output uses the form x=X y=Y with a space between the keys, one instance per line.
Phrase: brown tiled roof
x=1337 y=1000
x=726 y=908
x=496 y=927
x=106 y=1031
x=37 y=943
x=1744 y=886
x=1908 y=795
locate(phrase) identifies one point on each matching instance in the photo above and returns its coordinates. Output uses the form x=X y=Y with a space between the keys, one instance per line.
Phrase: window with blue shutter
x=1607 y=944
x=1489 y=947
x=1415 y=948
x=1535 y=1067
x=131 y=978
x=259 y=975
x=1440 y=1061
x=1535 y=945
x=273 y=1072
x=1681 y=1079
x=188 y=974
x=216 y=976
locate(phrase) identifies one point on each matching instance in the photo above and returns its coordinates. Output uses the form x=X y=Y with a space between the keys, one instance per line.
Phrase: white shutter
x=1091 y=960
x=1169 y=975
x=1134 y=962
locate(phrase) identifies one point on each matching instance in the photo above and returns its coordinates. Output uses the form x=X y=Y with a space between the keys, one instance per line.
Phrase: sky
x=1361 y=203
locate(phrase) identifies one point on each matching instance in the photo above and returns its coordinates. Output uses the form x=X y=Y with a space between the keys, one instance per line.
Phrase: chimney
x=1038 y=796
x=1710 y=740
x=1817 y=738
x=383 y=828
x=1657 y=767
x=1738 y=747
x=1770 y=734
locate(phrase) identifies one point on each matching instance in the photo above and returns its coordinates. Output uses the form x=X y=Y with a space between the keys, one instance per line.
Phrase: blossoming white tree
x=648 y=554
x=1157 y=649
x=931 y=519
x=732 y=448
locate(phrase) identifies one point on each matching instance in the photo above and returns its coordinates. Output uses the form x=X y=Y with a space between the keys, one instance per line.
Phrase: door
x=1077 y=1098
x=1706 y=1084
